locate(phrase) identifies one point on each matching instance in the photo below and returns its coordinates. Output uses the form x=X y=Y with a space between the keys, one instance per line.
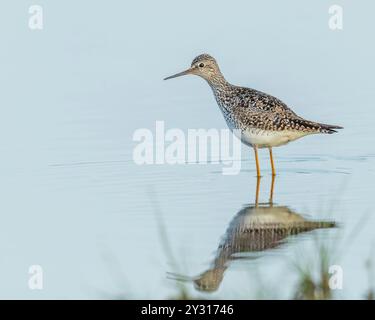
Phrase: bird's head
x=204 y=66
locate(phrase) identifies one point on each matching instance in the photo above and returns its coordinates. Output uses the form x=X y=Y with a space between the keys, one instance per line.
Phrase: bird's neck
x=221 y=89
x=217 y=81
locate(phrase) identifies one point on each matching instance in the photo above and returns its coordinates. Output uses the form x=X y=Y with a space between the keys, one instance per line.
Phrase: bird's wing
x=260 y=110
x=260 y=101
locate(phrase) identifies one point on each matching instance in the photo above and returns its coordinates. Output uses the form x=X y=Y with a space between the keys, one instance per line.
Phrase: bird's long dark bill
x=183 y=73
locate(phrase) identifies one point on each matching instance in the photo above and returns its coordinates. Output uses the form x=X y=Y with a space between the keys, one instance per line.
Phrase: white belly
x=266 y=139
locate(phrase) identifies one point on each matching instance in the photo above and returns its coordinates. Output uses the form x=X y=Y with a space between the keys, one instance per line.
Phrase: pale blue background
x=71 y=96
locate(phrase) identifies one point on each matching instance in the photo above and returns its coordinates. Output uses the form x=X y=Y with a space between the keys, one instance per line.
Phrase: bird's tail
x=316 y=127
x=328 y=128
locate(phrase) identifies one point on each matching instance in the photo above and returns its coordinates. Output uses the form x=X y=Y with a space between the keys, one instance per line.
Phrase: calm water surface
x=74 y=202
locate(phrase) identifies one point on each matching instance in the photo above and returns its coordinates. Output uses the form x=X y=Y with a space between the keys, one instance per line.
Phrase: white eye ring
x=201 y=65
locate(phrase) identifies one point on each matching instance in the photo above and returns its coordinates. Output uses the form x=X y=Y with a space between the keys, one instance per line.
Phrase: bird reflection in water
x=255 y=228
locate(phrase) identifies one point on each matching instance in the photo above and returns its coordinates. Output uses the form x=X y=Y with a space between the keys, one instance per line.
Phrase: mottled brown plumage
x=259 y=119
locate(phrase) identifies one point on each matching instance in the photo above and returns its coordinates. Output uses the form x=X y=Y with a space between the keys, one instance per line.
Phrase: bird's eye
x=201 y=65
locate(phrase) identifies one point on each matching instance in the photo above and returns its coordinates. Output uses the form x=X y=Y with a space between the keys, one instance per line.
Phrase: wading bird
x=260 y=120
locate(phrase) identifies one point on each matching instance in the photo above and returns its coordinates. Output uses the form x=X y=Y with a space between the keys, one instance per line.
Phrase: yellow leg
x=272 y=163
x=272 y=187
x=257 y=192
x=257 y=160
